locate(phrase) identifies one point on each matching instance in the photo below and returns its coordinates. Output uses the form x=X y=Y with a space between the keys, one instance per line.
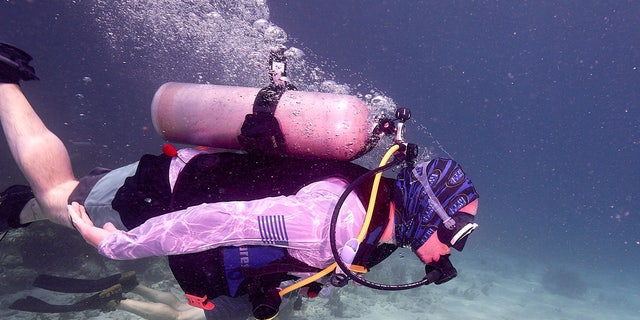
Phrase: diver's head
x=434 y=198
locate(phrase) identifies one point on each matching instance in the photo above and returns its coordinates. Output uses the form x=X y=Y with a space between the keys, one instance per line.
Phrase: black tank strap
x=261 y=133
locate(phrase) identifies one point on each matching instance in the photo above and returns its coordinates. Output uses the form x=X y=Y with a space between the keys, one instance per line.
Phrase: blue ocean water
x=538 y=100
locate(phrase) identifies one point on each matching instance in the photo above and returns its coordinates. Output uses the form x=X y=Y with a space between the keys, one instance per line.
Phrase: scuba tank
x=312 y=124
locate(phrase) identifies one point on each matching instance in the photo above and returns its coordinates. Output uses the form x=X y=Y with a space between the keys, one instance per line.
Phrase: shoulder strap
x=261 y=133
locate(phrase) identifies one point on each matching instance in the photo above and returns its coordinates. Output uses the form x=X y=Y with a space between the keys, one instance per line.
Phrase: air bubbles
x=272 y=33
x=232 y=36
x=380 y=104
x=275 y=34
x=333 y=87
x=261 y=25
x=213 y=15
x=294 y=53
x=378 y=100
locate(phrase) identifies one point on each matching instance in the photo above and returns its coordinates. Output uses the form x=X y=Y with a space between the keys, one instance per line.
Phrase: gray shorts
x=97 y=190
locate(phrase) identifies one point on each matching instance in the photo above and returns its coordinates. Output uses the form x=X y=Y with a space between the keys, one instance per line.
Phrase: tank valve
x=402 y=115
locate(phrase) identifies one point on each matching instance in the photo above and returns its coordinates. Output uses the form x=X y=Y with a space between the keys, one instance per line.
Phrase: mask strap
x=448 y=222
x=464 y=231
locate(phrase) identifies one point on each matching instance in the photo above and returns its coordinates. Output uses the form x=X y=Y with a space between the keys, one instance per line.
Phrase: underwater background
x=539 y=101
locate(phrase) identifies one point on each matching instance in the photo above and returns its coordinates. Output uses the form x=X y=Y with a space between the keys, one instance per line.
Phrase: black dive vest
x=210 y=178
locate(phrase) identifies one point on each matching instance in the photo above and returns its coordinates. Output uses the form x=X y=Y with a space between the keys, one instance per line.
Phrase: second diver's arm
x=81 y=222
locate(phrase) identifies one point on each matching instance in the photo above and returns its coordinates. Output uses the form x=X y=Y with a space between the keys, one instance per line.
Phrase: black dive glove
x=267 y=304
x=14 y=65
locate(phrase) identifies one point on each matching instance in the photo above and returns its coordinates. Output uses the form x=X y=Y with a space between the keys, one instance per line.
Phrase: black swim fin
x=71 y=285
x=14 y=65
x=106 y=300
x=12 y=201
x=33 y=304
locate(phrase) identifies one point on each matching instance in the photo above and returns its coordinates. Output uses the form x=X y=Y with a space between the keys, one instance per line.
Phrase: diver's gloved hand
x=440 y=271
x=14 y=65
x=266 y=305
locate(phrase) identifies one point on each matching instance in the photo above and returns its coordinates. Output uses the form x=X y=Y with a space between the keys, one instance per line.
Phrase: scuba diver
x=239 y=224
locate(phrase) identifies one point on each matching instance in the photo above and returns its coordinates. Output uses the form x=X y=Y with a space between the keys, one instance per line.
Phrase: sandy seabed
x=504 y=286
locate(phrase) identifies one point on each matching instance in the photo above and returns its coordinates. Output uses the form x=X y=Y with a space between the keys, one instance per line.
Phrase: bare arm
x=80 y=220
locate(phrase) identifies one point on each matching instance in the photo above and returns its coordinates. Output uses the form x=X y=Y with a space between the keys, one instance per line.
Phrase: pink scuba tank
x=314 y=124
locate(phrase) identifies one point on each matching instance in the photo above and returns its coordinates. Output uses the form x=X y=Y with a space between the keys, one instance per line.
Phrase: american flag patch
x=273 y=230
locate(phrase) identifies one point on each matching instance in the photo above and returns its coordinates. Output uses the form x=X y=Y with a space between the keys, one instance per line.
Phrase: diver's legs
x=159 y=311
x=160 y=296
x=39 y=153
x=148 y=310
x=163 y=305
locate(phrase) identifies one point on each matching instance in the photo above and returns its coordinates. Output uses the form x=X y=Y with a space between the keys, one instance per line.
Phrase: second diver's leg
x=161 y=300
x=148 y=310
x=159 y=311
x=159 y=296
x=40 y=155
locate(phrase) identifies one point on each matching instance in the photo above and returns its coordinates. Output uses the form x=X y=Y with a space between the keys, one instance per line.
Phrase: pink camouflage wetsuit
x=298 y=222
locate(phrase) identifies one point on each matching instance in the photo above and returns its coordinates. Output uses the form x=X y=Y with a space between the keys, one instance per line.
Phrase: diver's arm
x=299 y=221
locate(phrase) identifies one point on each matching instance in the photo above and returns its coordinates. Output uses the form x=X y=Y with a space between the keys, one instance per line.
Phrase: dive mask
x=457 y=236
